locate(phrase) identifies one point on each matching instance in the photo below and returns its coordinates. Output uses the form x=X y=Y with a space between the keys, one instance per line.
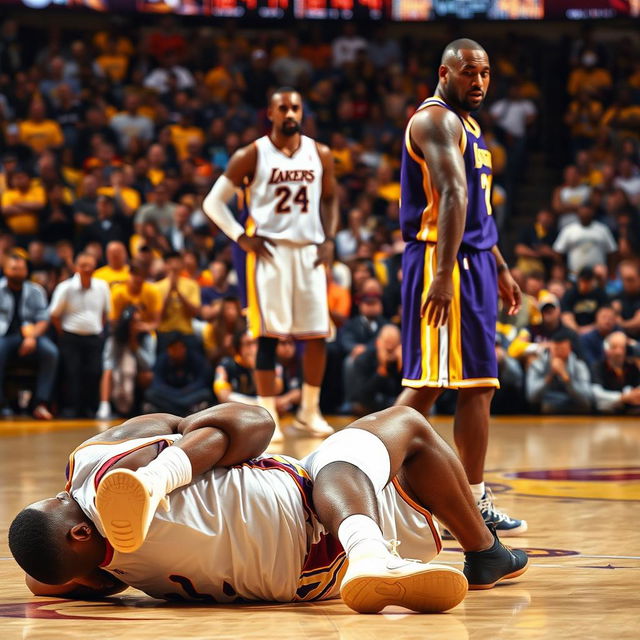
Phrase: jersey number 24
x=283 y=194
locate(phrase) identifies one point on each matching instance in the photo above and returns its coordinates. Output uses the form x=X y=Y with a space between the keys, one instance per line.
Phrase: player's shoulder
x=324 y=152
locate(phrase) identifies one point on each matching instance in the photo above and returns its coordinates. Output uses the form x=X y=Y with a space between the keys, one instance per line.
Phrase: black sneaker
x=504 y=524
x=483 y=569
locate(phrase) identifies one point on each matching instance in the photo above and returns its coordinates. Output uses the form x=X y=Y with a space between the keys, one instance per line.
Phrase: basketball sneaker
x=126 y=502
x=504 y=525
x=311 y=423
x=483 y=569
x=373 y=582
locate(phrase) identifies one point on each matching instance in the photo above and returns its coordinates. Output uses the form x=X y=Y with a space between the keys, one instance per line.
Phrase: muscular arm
x=436 y=133
x=329 y=210
x=223 y=435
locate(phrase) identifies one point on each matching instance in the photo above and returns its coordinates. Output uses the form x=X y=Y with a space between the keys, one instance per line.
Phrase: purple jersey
x=419 y=200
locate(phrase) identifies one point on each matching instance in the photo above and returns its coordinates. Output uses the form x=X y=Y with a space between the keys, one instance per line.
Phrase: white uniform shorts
x=286 y=294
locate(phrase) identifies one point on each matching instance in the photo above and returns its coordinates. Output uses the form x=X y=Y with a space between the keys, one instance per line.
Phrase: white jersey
x=284 y=196
x=240 y=534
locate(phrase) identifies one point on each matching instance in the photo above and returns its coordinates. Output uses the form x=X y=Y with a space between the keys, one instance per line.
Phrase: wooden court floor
x=576 y=481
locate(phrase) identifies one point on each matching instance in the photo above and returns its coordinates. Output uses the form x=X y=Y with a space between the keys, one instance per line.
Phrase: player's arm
x=508 y=288
x=216 y=204
x=436 y=133
x=223 y=435
x=98 y=584
x=329 y=210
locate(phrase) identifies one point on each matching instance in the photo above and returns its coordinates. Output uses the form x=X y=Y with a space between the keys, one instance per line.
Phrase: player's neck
x=439 y=93
x=287 y=144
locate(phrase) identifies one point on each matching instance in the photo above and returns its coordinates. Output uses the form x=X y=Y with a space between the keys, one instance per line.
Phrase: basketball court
x=575 y=480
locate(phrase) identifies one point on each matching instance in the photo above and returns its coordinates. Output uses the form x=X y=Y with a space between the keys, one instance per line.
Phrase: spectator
x=220 y=288
x=579 y=304
x=129 y=352
x=218 y=333
x=628 y=179
x=347 y=240
x=180 y=232
x=345 y=48
x=592 y=343
x=627 y=304
x=534 y=340
x=79 y=311
x=535 y=245
x=589 y=76
x=585 y=243
x=180 y=303
x=22 y=204
x=85 y=207
x=616 y=378
x=23 y=323
x=56 y=217
x=234 y=380
x=38 y=132
x=108 y=227
x=583 y=119
x=287 y=357
x=170 y=75
x=558 y=381
x=181 y=380
x=130 y=125
x=570 y=195
x=290 y=69
x=116 y=270
x=377 y=373
x=160 y=211
x=509 y=397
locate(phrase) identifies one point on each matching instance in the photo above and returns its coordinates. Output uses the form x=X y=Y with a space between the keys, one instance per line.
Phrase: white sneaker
x=104 y=411
x=312 y=423
x=371 y=583
x=126 y=502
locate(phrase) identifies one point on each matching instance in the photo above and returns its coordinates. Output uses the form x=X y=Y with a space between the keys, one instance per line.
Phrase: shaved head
x=452 y=50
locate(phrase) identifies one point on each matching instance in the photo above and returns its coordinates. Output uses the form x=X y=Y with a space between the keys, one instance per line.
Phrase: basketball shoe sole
x=425 y=588
x=126 y=506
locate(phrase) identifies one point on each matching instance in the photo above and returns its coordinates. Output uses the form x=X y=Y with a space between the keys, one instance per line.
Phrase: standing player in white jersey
x=289 y=240
x=246 y=526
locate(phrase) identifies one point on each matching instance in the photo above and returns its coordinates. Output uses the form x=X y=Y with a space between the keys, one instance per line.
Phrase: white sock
x=360 y=535
x=269 y=403
x=477 y=491
x=171 y=469
x=105 y=405
x=310 y=398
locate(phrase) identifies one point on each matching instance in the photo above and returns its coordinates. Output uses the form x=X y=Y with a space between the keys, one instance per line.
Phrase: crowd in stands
x=122 y=296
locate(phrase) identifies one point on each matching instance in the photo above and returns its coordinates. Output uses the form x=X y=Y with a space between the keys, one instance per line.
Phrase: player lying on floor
x=246 y=526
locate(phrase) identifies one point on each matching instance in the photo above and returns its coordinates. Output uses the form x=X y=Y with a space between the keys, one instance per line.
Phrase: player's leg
x=471 y=431
x=269 y=295
x=348 y=477
x=265 y=376
x=474 y=323
x=422 y=399
x=311 y=324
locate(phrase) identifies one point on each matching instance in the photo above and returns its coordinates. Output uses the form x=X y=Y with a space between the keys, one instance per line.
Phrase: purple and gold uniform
x=462 y=353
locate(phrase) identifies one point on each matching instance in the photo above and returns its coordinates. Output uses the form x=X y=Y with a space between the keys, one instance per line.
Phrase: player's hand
x=256 y=244
x=509 y=292
x=438 y=301
x=325 y=253
x=28 y=346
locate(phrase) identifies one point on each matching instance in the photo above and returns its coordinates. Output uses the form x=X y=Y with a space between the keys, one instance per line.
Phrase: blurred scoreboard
x=408 y=10
x=339 y=9
x=365 y=10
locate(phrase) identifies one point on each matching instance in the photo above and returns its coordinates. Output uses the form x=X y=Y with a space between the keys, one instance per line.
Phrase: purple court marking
x=534 y=552
x=602 y=474
x=37 y=610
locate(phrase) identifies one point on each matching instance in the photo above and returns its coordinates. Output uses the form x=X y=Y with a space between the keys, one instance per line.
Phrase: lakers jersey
x=419 y=200
x=284 y=196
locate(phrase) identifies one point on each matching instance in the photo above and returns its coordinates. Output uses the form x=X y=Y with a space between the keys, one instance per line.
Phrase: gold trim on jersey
x=429 y=218
x=323 y=580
